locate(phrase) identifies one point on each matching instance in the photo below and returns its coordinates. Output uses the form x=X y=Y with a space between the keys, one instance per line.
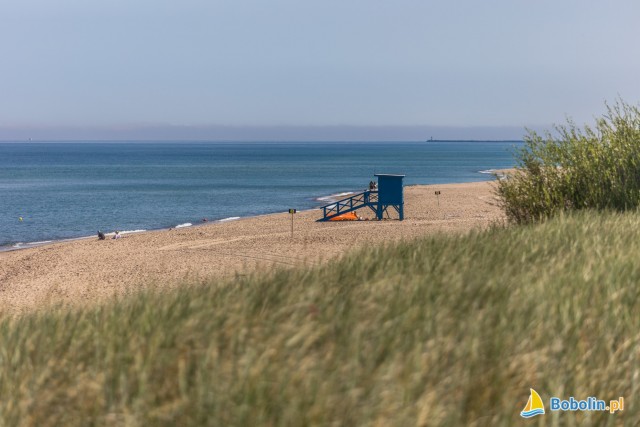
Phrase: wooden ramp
x=366 y=199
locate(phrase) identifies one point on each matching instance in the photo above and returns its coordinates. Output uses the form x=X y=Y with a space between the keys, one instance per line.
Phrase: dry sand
x=90 y=270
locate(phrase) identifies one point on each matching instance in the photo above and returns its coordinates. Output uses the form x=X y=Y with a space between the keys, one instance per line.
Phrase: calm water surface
x=69 y=190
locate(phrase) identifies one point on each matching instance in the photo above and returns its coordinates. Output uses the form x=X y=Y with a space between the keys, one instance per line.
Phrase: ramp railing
x=350 y=204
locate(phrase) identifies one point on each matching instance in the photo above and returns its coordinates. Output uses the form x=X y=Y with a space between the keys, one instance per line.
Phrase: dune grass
x=448 y=330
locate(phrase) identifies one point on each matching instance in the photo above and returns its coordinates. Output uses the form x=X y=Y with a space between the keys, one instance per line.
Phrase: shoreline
x=109 y=235
x=19 y=246
x=11 y=247
x=89 y=271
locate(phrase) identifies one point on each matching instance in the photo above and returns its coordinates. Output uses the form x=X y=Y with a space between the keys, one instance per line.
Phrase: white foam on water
x=132 y=231
x=40 y=243
x=499 y=175
x=333 y=197
x=231 y=218
x=121 y=233
x=22 y=245
x=74 y=239
x=186 y=224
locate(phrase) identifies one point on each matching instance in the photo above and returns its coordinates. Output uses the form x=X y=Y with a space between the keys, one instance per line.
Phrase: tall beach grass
x=443 y=331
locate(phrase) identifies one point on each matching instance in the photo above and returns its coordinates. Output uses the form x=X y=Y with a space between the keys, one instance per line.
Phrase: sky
x=294 y=69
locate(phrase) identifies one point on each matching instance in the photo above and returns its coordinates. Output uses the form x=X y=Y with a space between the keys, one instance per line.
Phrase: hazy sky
x=138 y=68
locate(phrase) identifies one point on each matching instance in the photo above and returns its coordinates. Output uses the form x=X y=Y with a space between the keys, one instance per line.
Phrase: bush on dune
x=592 y=168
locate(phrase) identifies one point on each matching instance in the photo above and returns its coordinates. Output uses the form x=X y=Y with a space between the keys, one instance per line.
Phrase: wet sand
x=88 y=271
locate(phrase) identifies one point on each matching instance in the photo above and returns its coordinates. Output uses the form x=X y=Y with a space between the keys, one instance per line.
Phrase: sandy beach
x=89 y=271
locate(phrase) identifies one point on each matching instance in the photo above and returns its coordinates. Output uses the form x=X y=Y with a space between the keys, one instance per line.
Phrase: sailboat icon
x=534 y=406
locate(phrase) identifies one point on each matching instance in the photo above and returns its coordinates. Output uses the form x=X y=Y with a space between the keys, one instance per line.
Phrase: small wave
x=74 y=239
x=132 y=231
x=334 y=196
x=186 y=224
x=497 y=173
x=19 y=245
x=231 y=218
x=119 y=232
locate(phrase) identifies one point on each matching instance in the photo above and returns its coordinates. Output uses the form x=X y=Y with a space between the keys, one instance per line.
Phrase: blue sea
x=71 y=190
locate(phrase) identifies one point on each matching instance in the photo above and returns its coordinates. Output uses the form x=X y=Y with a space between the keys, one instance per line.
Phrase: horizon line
x=125 y=140
x=229 y=133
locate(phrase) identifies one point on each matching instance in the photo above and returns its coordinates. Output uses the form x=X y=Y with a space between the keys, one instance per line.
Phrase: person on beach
x=101 y=235
x=117 y=235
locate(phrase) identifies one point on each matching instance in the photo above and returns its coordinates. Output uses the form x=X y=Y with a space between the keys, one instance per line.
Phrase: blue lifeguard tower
x=389 y=193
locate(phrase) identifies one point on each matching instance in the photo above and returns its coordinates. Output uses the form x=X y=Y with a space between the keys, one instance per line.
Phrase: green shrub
x=592 y=168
